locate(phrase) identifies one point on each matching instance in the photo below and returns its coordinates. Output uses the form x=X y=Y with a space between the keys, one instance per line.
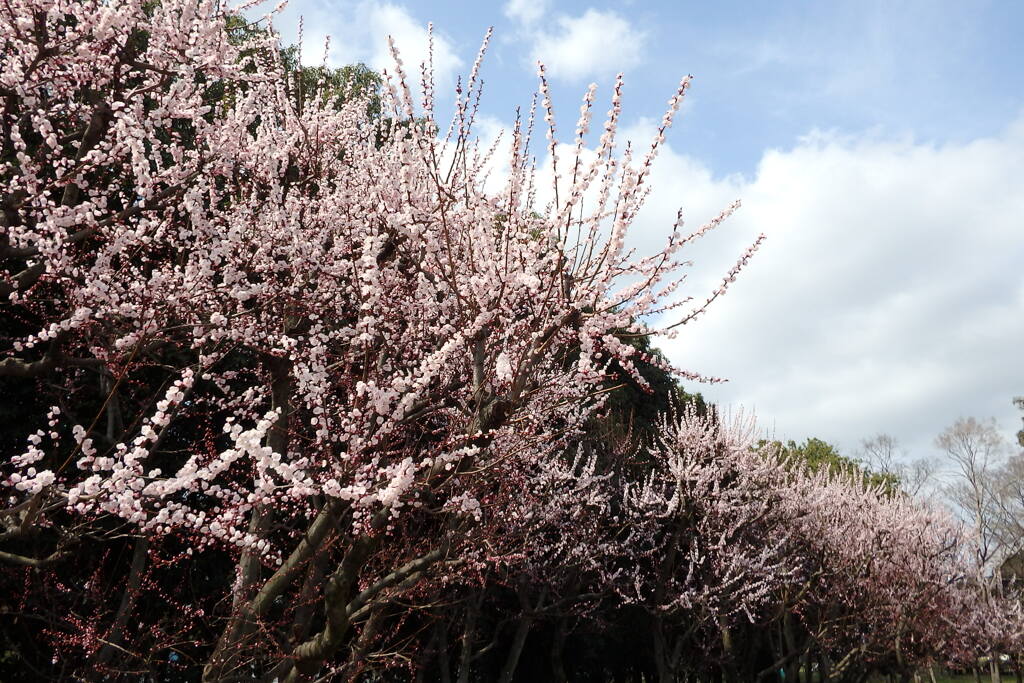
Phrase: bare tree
x=975 y=450
x=1008 y=485
x=1019 y=402
x=883 y=454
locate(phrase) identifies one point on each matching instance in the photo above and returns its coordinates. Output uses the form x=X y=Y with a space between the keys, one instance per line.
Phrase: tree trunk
x=792 y=668
x=302 y=622
x=443 y=665
x=729 y=673
x=319 y=531
x=665 y=674
x=242 y=625
x=124 y=611
x=469 y=636
x=367 y=636
x=778 y=653
x=508 y=671
x=557 y=646
x=115 y=421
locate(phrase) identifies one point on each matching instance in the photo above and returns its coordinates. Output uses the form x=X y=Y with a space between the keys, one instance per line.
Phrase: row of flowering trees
x=287 y=393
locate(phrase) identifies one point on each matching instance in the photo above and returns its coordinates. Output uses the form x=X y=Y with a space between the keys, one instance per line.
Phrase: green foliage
x=632 y=410
x=816 y=454
x=331 y=86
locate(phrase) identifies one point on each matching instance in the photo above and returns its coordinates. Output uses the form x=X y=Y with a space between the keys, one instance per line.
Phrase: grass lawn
x=948 y=678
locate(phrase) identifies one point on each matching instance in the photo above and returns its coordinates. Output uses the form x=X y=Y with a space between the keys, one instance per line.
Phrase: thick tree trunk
x=729 y=672
x=792 y=668
x=124 y=611
x=558 y=674
x=665 y=673
x=250 y=565
x=309 y=598
x=242 y=624
x=508 y=671
x=469 y=636
x=342 y=605
x=115 y=421
x=317 y=534
x=443 y=665
x=310 y=655
x=775 y=644
x=367 y=636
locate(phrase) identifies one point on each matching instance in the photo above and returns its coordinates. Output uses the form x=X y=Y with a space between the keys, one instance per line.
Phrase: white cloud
x=492 y=148
x=412 y=43
x=888 y=297
x=594 y=44
x=525 y=11
x=358 y=33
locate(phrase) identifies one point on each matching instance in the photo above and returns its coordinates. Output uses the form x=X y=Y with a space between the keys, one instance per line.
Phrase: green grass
x=948 y=678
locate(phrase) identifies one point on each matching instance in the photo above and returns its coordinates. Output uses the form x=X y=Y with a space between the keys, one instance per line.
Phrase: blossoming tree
x=289 y=385
x=295 y=332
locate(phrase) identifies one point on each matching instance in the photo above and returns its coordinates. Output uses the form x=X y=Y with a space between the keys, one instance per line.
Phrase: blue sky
x=766 y=73
x=880 y=145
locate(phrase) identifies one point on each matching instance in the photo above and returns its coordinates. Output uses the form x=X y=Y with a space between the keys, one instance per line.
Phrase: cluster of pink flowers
x=338 y=295
x=275 y=323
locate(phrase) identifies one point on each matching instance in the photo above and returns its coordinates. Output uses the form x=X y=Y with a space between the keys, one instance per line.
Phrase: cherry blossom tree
x=751 y=563
x=707 y=517
x=306 y=384
x=883 y=560
x=305 y=335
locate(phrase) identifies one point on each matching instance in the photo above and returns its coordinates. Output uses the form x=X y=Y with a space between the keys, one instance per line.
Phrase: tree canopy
x=290 y=394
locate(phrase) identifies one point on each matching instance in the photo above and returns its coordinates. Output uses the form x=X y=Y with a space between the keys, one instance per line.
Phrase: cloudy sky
x=879 y=145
